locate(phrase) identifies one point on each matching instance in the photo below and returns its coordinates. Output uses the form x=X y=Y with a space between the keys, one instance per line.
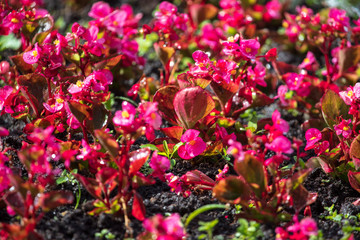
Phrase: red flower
x=33 y=55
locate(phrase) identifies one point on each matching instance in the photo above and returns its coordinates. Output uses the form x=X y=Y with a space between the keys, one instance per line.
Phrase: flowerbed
x=186 y=125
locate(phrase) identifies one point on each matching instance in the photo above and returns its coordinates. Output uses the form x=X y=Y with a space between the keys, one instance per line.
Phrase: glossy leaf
x=224 y=91
x=260 y=99
x=252 y=170
x=348 y=57
x=108 y=142
x=302 y=198
x=106 y=175
x=35 y=88
x=164 y=53
x=137 y=159
x=354 y=179
x=138 y=208
x=199 y=179
x=355 y=148
x=231 y=189
x=44 y=26
x=174 y=132
x=165 y=98
x=202 y=12
x=80 y=111
x=99 y=116
x=333 y=107
x=55 y=199
x=191 y=105
x=21 y=65
x=91 y=185
x=16 y=201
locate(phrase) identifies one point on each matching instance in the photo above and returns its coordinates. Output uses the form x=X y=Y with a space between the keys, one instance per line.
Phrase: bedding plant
x=179 y=120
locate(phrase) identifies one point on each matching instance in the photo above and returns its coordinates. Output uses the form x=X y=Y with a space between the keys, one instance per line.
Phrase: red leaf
x=108 y=142
x=202 y=12
x=106 y=175
x=230 y=189
x=91 y=185
x=165 y=98
x=35 y=89
x=164 y=53
x=137 y=159
x=55 y=199
x=173 y=132
x=224 y=91
x=80 y=111
x=199 y=179
x=354 y=179
x=191 y=105
x=138 y=208
x=348 y=57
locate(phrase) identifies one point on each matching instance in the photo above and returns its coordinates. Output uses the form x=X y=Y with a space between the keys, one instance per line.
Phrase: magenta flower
x=14 y=21
x=4 y=94
x=282 y=90
x=321 y=147
x=126 y=117
x=149 y=112
x=202 y=62
x=274 y=9
x=312 y=136
x=280 y=145
x=160 y=228
x=100 y=10
x=308 y=62
x=292 y=31
x=160 y=165
x=33 y=55
x=177 y=185
x=293 y=80
x=257 y=74
x=308 y=227
x=4 y=177
x=193 y=144
x=338 y=19
x=348 y=96
x=224 y=70
x=343 y=128
x=236 y=150
x=249 y=48
x=279 y=123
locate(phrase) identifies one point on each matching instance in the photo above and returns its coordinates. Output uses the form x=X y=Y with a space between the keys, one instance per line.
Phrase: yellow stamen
x=14 y=20
x=59 y=100
x=346 y=128
x=35 y=53
x=248 y=50
x=56 y=42
x=350 y=93
x=125 y=114
x=79 y=83
x=306 y=60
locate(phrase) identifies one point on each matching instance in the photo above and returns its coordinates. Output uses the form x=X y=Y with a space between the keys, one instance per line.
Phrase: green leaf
x=9 y=42
x=203 y=209
x=151 y=146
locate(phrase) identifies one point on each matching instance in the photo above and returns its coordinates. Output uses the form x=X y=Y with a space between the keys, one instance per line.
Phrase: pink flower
x=149 y=112
x=312 y=136
x=280 y=145
x=4 y=177
x=279 y=123
x=177 y=185
x=222 y=173
x=193 y=146
x=257 y=74
x=160 y=228
x=224 y=70
x=4 y=94
x=293 y=80
x=236 y=150
x=115 y=21
x=343 y=128
x=282 y=90
x=100 y=10
x=249 y=48
x=292 y=31
x=338 y=19
x=321 y=147
x=308 y=62
x=33 y=55
x=14 y=21
x=3 y=132
x=126 y=117
x=308 y=227
x=160 y=165
x=348 y=96
x=202 y=62
x=274 y=9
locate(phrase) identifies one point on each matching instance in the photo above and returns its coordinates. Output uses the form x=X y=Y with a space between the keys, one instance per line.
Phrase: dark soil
x=69 y=223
